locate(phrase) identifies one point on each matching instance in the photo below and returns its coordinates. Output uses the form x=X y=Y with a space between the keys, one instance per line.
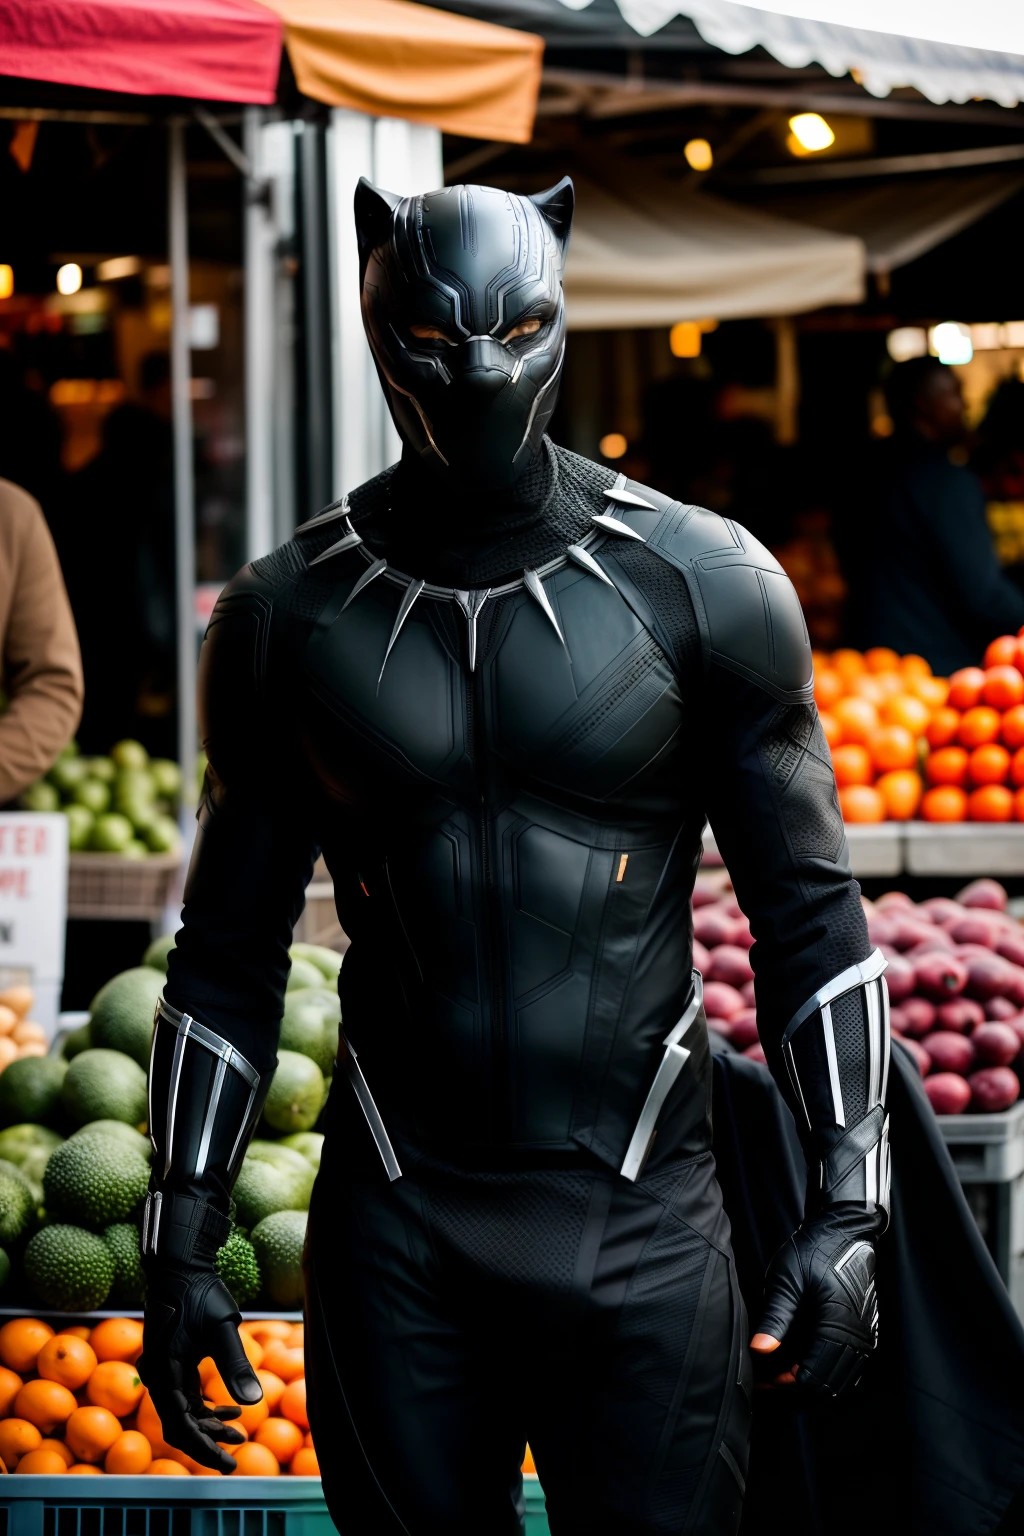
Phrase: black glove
x=820 y=1301
x=191 y=1314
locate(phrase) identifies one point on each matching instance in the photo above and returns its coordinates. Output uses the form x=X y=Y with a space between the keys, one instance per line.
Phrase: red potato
x=720 y=1026
x=993 y=1089
x=701 y=957
x=948 y=1052
x=939 y=976
x=938 y=942
x=1015 y=985
x=890 y=899
x=887 y=952
x=960 y=1015
x=756 y=1053
x=996 y=1044
x=711 y=926
x=743 y=1029
x=1010 y=946
x=940 y=909
x=947 y=1093
x=900 y=977
x=705 y=894
x=998 y=1008
x=881 y=929
x=730 y=964
x=740 y=934
x=731 y=907
x=983 y=893
x=721 y=1001
x=973 y=930
x=922 y=1060
x=896 y=1021
x=918 y=1016
x=747 y=994
x=1017 y=1025
x=909 y=930
x=988 y=977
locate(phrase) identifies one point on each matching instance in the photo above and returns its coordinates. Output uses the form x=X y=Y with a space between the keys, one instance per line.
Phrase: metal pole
x=259 y=359
x=184 y=488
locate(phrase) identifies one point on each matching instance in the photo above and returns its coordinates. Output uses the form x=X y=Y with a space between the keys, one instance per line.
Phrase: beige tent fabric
x=644 y=253
x=390 y=58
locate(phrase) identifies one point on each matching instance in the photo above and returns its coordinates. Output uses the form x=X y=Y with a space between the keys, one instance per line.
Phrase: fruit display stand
x=988 y=1154
x=132 y=1506
x=112 y=887
x=922 y=848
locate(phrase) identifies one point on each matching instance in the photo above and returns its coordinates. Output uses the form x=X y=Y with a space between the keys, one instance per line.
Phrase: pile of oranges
x=975 y=765
x=876 y=708
x=73 y=1402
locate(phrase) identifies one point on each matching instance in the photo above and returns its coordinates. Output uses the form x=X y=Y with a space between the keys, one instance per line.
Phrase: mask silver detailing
x=669 y=1068
x=472 y=604
x=535 y=587
x=370 y=574
x=350 y=541
x=327 y=515
x=584 y=558
x=412 y=592
x=833 y=1065
x=370 y=1110
x=627 y=498
x=613 y=525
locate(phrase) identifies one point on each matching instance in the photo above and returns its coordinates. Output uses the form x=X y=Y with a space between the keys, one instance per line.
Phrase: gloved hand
x=190 y=1314
x=820 y=1292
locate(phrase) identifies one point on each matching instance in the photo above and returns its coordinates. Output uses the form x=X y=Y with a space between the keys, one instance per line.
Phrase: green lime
x=93 y=794
x=112 y=833
x=297 y=1093
x=166 y=777
x=304 y=974
x=80 y=824
x=40 y=797
x=157 y=953
x=136 y=849
x=103 y=768
x=162 y=835
x=67 y=772
x=71 y=750
x=130 y=754
x=327 y=961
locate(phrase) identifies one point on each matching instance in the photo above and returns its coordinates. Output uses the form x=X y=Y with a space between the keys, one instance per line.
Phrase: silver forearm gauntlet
x=836 y=1049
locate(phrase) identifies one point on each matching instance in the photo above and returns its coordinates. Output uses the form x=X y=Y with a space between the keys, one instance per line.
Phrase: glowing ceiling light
x=6 y=281
x=613 y=445
x=951 y=342
x=69 y=278
x=699 y=155
x=116 y=267
x=684 y=338
x=811 y=132
x=905 y=342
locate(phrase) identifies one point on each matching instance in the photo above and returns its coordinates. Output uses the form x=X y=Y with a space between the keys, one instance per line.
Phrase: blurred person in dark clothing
x=998 y=456
x=923 y=573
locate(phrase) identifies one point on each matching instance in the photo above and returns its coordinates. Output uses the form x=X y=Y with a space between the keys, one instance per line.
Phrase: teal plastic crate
x=193 y=1506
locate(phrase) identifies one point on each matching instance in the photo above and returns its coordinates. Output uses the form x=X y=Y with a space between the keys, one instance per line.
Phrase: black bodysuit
x=510 y=793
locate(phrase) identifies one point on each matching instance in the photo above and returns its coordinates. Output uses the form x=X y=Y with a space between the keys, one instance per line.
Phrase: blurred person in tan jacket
x=40 y=664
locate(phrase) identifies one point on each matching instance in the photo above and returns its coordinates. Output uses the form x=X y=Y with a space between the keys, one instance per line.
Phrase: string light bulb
x=69 y=278
x=699 y=154
x=809 y=134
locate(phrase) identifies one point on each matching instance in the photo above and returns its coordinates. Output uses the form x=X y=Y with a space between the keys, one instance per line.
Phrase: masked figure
x=502 y=688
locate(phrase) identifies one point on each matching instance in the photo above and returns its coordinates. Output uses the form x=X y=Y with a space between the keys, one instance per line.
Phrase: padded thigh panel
x=749 y=613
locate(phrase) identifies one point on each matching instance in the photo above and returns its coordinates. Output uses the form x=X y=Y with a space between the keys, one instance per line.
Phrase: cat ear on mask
x=374 y=209
x=557 y=204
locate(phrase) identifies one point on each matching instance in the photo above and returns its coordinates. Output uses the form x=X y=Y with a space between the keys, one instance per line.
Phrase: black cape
x=932 y=1441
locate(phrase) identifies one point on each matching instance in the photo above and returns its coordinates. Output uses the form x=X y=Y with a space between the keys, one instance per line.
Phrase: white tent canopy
x=947 y=50
x=644 y=253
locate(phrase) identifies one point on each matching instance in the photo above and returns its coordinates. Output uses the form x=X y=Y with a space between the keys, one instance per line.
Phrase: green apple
x=112 y=833
x=80 y=824
x=93 y=794
x=130 y=754
x=166 y=777
x=103 y=768
x=39 y=797
x=68 y=772
x=162 y=835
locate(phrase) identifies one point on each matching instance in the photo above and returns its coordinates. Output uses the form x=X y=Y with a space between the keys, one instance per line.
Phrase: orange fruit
x=130 y=1453
x=942 y=727
x=1012 y=728
x=309 y=1440
x=8 y=1020
x=947 y=766
x=272 y=1328
x=881 y=659
x=297 y=1338
x=254 y=1460
x=906 y=710
x=1017 y=767
x=115 y=1385
x=857 y=718
x=273 y=1388
x=78 y=1331
x=851 y=764
x=1018 y=805
x=832 y=729
x=848 y=663
x=946 y=802
x=993 y=802
x=965 y=687
x=20 y=998
x=901 y=790
x=162 y=1466
x=1004 y=687
x=304 y=1463
x=20 y=1342
x=91 y=1432
x=66 y=1359
x=45 y=1404
x=892 y=746
x=285 y=1362
x=828 y=687
x=8 y=1052
x=117 y=1338
x=252 y=1414
x=914 y=666
x=254 y=1349
x=978 y=726
x=989 y=764
x=17 y=1438
x=42 y=1463
x=147 y=1421
x=10 y=1386
x=280 y=1436
x=59 y=1447
x=871 y=688
x=860 y=804
x=1000 y=652
x=83 y=1467
x=933 y=691
x=293 y=1403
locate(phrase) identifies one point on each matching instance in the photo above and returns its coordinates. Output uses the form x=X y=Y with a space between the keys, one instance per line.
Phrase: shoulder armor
x=749 y=614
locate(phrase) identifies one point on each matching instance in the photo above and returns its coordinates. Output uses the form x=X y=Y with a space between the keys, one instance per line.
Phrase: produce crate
x=106 y=885
x=169 y=1506
x=988 y=1154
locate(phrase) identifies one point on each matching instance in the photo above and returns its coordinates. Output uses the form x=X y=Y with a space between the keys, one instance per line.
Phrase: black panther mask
x=462 y=304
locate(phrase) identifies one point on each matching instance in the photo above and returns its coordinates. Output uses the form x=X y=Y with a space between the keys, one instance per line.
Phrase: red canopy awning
x=210 y=50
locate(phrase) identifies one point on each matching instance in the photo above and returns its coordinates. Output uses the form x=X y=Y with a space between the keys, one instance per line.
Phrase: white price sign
x=33 y=907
